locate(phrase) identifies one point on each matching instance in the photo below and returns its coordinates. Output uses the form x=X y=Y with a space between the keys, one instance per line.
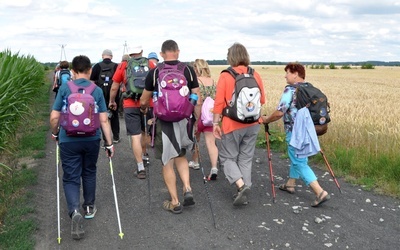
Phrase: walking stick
x=121 y=234
x=330 y=170
x=153 y=129
x=147 y=161
x=270 y=161
x=58 y=191
x=204 y=181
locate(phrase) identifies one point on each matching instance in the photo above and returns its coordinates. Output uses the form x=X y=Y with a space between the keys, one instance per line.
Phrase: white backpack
x=245 y=105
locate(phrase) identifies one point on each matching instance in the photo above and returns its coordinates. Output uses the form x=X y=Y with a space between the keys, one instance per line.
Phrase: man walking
x=134 y=119
x=102 y=74
x=176 y=138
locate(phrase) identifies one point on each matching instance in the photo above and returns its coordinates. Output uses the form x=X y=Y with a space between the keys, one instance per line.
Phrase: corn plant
x=20 y=78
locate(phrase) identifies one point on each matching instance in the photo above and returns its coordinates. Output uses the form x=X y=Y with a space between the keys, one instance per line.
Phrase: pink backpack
x=171 y=102
x=207 y=111
x=79 y=114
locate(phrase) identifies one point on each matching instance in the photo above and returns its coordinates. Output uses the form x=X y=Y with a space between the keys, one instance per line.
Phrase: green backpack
x=136 y=73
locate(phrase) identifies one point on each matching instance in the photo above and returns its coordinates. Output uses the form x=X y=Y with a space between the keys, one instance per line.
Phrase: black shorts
x=134 y=121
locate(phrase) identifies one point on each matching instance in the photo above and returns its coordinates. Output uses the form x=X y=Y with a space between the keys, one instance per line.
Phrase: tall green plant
x=20 y=79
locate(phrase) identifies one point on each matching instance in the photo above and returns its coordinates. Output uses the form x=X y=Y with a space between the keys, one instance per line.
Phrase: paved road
x=354 y=219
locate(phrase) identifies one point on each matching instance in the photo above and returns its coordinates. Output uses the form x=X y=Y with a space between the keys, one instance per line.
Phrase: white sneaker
x=194 y=165
x=213 y=174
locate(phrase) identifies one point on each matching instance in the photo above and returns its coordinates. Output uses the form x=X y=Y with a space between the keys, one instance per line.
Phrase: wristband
x=54 y=135
x=109 y=146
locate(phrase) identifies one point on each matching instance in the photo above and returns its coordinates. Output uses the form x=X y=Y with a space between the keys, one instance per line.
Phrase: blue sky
x=273 y=30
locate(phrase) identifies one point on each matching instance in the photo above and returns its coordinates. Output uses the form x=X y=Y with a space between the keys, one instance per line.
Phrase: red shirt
x=120 y=76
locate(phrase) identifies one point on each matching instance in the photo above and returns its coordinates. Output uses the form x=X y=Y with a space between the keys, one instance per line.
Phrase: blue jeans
x=79 y=162
x=299 y=167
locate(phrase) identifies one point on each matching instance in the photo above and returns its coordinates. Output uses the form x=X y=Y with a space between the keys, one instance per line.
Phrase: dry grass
x=363 y=104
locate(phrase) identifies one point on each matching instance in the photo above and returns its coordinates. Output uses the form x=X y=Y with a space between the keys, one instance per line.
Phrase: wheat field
x=363 y=103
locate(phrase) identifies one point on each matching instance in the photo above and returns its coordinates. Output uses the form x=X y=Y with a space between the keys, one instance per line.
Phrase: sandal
x=321 y=199
x=289 y=189
x=176 y=209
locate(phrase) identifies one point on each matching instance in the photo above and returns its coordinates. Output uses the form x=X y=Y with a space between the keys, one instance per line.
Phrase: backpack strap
x=233 y=73
x=180 y=66
x=74 y=88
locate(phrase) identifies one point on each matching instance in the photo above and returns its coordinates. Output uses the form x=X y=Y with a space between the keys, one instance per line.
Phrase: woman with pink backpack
x=204 y=122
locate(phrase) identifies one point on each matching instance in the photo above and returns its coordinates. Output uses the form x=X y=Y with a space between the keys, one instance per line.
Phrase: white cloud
x=335 y=30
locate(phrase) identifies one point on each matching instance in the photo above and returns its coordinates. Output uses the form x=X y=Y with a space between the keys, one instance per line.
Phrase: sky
x=271 y=30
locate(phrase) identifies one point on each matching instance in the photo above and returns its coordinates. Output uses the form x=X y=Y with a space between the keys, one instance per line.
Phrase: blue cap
x=153 y=55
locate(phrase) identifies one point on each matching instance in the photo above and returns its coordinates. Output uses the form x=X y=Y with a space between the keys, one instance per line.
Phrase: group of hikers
x=167 y=104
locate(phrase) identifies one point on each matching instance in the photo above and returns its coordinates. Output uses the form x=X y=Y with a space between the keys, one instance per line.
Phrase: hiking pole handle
x=266 y=126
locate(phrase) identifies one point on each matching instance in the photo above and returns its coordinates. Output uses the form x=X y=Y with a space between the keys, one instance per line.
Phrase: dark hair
x=64 y=64
x=237 y=55
x=81 y=64
x=296 y=67
x=169 y=45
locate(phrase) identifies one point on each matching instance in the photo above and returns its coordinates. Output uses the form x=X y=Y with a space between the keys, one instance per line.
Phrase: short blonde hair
x=201 y=68
x=237 y=55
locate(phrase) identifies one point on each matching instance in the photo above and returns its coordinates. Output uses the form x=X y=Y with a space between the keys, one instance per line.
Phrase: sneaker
x=90 y=211
x=234 y=197
x=241 y=198
x=176 y=209
x=116 y=141
x=194 y=165
x=141 y=174
x=188 y=200
x=213 y=174
x=77 y=231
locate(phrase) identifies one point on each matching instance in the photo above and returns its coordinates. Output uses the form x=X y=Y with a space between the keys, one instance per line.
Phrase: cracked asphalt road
x=354 y=219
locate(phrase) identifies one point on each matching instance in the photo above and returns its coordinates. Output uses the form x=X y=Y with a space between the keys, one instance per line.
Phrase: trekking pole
x=121 y=234
x=147 y=161
x=204 y=180
x=270 y=161
x=153 y=129
x=330 y=170
x=58 y=191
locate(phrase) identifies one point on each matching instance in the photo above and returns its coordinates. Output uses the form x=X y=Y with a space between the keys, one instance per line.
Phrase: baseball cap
x=107 y=52
x=125 y=57
x=152 y=55
x=135 y=50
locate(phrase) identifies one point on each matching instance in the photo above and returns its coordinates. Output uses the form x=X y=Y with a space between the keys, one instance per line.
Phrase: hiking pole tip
x=121 y=234
x=59 y=240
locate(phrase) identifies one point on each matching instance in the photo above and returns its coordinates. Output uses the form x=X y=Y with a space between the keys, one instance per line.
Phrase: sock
x=140 y=166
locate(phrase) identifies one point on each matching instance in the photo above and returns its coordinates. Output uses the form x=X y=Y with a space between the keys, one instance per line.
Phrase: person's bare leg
x=212 y=149
x=239 y=183
x=183 y=169
x=137 y=147
x=170 y=181
x=195 y=156
x=316 y=188
x=321 y=195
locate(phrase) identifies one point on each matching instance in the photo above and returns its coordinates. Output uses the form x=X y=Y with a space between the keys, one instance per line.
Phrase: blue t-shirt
x=287 y=105
x=63 y=94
